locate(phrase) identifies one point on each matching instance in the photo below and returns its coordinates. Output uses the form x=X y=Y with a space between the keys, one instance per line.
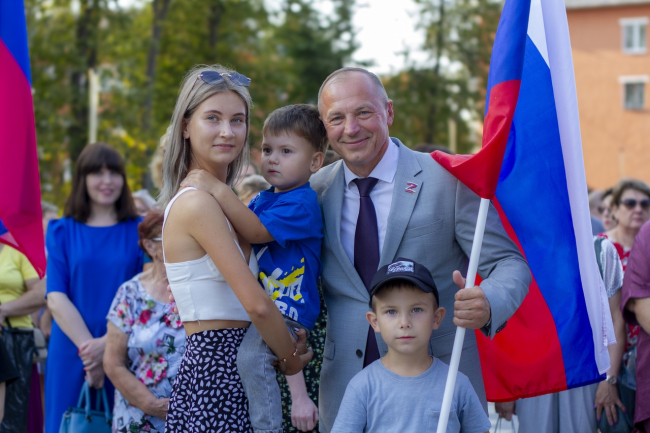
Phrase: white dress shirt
x=381 y=195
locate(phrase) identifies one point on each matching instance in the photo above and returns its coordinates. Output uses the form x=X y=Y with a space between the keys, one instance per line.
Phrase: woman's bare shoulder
x=193 y=221
x=195 y=204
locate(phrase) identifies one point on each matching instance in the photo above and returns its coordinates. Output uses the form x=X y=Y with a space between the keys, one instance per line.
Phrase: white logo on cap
x=400 y=267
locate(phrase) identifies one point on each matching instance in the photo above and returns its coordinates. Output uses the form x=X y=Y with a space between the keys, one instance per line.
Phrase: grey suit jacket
x=433 y=226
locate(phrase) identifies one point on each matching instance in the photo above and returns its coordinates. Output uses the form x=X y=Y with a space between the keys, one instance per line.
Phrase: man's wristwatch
x=486 y=328
x=612 y=380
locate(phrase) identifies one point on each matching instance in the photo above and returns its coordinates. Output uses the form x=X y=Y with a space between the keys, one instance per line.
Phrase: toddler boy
x=284 y=224
x=403 y=391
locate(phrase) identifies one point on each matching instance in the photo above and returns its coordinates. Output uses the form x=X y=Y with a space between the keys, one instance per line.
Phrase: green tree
x=141 y=53
x=459 y=38
x=313 y=46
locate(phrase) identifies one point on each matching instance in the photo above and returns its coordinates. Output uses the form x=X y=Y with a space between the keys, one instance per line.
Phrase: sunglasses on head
x=631 y=203
x=210 y=77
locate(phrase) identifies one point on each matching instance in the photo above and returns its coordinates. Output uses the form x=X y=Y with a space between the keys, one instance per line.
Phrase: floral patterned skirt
x=208 y=395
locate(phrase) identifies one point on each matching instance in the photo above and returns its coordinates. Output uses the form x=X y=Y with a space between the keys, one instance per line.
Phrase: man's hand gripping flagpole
x=460 y=332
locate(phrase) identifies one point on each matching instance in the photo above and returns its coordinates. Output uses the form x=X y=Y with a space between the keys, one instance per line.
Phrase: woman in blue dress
x=92 y=250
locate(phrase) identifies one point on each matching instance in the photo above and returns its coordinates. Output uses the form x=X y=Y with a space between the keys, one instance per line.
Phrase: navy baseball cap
x=405 y=269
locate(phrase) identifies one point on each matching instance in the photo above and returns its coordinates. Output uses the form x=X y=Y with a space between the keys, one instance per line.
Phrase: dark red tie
x=366 y=252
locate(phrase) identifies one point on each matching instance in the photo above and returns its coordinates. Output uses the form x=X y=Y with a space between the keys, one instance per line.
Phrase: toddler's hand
x=304 y=414
x=202 y=180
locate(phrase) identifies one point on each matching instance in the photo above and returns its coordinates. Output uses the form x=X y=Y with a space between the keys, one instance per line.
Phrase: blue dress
x=88 y=264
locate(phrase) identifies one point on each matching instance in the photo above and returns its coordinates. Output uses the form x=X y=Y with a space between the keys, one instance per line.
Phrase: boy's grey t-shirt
x=378 y=400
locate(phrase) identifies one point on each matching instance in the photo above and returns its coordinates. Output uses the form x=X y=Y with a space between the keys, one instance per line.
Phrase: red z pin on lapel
x=410 y=187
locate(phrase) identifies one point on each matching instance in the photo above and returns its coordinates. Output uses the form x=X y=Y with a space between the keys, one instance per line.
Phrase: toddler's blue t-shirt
x=290 y=266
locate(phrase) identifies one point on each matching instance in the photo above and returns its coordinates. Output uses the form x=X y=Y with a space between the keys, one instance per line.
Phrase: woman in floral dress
x=145 y=343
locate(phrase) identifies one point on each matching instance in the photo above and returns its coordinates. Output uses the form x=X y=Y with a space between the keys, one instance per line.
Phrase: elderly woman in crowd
x=143 y=202
x=145 y=341
x=250 y=186
x=605 y=209
x=636 y=310
x=630 y=209
x=155 y=165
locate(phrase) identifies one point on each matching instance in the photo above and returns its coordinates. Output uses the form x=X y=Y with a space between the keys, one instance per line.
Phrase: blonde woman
x=211 y=272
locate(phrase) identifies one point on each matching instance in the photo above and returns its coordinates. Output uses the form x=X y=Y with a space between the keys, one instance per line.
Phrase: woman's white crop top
x=200 y=290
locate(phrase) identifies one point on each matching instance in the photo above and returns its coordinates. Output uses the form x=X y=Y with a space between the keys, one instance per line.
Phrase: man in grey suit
x=419 y=211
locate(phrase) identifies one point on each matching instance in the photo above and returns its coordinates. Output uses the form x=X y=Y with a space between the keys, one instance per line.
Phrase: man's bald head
x=342 y=73
x=357 y=114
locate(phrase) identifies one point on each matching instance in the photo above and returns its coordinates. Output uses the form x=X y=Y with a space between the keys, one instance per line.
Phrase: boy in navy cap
x=402 y=392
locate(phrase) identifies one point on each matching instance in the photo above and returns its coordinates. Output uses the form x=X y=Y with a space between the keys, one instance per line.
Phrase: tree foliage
x=458 y=39
x=141 y=53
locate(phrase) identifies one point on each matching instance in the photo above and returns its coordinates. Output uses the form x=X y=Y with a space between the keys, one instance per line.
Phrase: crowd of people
x=315 y=245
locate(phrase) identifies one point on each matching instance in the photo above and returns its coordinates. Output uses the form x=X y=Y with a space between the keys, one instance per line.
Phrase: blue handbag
x=81 y=419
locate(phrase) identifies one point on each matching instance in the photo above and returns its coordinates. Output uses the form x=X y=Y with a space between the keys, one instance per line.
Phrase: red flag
x=21 y=224
x=480 y=172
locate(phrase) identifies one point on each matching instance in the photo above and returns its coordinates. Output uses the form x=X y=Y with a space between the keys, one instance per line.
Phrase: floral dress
x=155 y=349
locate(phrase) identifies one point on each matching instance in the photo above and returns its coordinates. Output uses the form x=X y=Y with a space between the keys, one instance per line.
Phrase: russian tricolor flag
x=531 y=166
x=20 y=201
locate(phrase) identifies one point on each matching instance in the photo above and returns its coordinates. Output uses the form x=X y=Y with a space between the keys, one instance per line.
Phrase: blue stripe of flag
x=3 y=229
x=13 y=32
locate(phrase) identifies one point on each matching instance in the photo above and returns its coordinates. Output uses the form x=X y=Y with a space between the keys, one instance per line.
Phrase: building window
x=634 y=35
x=633 y=91
x=634 y=96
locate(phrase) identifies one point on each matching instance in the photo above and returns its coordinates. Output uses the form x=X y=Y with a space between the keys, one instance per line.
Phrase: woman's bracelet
x=295 y=352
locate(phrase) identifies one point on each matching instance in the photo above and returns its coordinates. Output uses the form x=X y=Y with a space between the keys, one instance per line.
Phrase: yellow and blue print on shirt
x=290 y=266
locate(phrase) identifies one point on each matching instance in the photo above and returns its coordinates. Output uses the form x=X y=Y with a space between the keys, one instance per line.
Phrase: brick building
x=612 y=69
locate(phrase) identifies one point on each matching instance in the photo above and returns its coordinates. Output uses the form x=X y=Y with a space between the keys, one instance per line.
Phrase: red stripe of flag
x=480 y=172
x=532 y=335
x=20 y=201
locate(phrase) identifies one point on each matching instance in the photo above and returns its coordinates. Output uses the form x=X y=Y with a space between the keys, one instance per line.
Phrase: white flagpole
x=460 y=332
